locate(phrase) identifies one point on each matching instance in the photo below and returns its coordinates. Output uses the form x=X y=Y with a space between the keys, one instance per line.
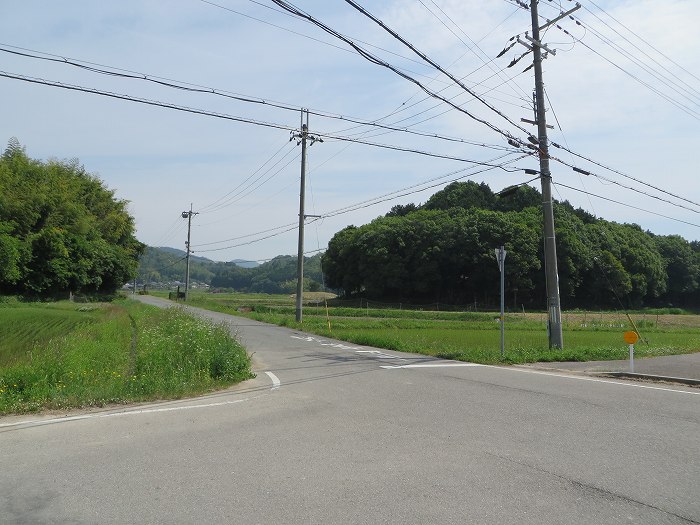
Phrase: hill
x=442 y=251
x=165 y=267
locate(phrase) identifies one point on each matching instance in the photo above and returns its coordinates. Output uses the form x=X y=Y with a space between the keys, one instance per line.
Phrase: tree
x=682 y=267
x=462 y=195
x=401 y=209
x=62 y=229
x=444 y=251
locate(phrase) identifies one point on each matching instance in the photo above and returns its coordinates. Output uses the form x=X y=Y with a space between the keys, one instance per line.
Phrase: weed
x=94 y=364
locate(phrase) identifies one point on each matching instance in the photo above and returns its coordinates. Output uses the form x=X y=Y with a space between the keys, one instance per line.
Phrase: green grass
x=471 y=336
x=27 y=327
x=129 y=352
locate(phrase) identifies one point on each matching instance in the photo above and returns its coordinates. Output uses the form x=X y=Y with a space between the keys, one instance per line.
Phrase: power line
x=239 y=191
x=292 y=228
x=647 y=55
x=620 y=173
x=224 y=116
x=248 y=206
x=196 y=88
x=403 y=107
x=148 y=102
x=484 y=57
x=414 y=188
x=329 y=44
x=408 y=150
x=422 y=55
x=644 y=41
x=245 y=236
x=671 y=84
x=375 y=60
x=354 y=207
x=606 y=179
x=627 y=205
x=689 y=111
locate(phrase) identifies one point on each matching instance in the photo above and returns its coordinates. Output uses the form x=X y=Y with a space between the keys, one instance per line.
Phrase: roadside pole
x=631 y=337
x=501 y=258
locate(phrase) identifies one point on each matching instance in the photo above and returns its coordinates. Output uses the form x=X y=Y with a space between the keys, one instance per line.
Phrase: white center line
x=275 y=380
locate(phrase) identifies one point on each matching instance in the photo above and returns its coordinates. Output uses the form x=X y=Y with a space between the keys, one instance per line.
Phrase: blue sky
x=162 y=160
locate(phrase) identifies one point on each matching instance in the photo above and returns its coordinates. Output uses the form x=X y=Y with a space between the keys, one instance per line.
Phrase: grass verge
x=128 y=352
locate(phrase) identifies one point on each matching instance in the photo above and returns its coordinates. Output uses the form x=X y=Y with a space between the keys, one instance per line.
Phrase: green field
x=67 y=355
x=26 y=328
x=472 y=336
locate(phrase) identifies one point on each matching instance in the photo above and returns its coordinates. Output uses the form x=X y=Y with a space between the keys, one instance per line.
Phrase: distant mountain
x=180 y=253
x=167 y=265
x=245 y=264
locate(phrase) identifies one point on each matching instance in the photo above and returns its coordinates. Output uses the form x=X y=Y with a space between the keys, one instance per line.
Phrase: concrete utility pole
x=188 y=215
x=501 y=259
x=303 y=136
x=556 y=339
x=302 y=218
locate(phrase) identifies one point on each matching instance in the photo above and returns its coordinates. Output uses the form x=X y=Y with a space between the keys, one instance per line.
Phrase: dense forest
x=443 y=251
x=61 y=229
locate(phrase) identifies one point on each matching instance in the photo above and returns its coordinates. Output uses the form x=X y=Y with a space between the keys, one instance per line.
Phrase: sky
x=623 y=90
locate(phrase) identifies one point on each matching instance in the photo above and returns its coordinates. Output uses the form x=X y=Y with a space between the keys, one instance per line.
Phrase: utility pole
x=188 y=215
x=501 y=259
x=302 y=136
x=556 y=339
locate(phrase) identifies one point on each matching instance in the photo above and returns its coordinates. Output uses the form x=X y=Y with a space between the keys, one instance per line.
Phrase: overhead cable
x=422 y=55
x=623 y=174
x=195 y=88
x=375 y=60
x=627 y=205
x=224 y=116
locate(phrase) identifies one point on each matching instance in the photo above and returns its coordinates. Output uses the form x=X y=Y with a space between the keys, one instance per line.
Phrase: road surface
x=332 y=432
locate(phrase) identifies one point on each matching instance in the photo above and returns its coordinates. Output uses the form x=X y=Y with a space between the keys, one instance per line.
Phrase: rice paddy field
x=471 y=336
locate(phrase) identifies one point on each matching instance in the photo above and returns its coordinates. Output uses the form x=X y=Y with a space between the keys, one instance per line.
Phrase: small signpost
x=501 y=259
x=631 y=337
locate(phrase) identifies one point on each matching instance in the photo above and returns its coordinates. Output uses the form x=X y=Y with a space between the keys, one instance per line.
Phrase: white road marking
x=275 y=380
x=593 y=379
x=39 y=422
x=324 y=343
x=431 y=365
x=546 y=373
x=377 y=354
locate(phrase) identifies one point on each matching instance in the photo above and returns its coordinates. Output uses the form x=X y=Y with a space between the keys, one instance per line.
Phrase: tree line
x=61 y=229
x=443 y=251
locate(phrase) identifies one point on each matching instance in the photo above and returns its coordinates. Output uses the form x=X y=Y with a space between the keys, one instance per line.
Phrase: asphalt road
x=331 y=432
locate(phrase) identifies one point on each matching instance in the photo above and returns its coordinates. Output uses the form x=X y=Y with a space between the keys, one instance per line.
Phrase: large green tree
x=443 y=251
x=61 y=229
